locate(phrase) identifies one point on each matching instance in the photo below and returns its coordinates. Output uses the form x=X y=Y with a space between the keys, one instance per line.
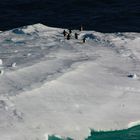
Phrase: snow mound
x=40 y=27
x=1 y=72
x=30 y=29
x=90 y=36
x=1 y=62
x=18 y=31
x=14 y=64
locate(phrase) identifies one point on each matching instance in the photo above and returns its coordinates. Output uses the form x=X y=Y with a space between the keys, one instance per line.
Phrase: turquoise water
x=56 y=138
x=126 y=134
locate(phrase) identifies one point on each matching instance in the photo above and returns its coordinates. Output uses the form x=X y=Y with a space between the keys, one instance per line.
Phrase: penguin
x=84 y=40
x=64 y=33
x=68 y=36
x=70 y=31
x=81 y=28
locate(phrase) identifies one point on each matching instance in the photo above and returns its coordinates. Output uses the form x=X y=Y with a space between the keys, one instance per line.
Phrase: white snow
x=1 y=72
x=1 y=62
x=132 y=124
x=65 y=87
x=13 y=65
x=46 y=136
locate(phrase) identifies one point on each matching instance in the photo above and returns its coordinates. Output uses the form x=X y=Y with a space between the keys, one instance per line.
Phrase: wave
x=133 y=132
x=133 y=124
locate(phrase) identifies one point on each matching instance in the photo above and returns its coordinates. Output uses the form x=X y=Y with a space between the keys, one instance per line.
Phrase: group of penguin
x=68 y=34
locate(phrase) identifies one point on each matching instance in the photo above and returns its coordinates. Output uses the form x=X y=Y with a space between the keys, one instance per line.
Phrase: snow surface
x=50 y=85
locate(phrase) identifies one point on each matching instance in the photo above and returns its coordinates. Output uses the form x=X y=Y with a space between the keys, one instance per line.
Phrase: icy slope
x=50 y=85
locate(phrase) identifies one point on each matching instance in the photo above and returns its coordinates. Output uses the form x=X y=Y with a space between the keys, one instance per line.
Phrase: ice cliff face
x=51 y=85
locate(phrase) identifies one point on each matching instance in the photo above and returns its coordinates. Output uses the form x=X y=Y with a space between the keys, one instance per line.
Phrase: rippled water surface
x=99 y=15
x=127 y=134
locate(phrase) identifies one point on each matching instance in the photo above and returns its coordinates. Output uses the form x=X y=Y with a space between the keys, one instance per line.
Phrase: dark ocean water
x=127 y=134
x=99 y=15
